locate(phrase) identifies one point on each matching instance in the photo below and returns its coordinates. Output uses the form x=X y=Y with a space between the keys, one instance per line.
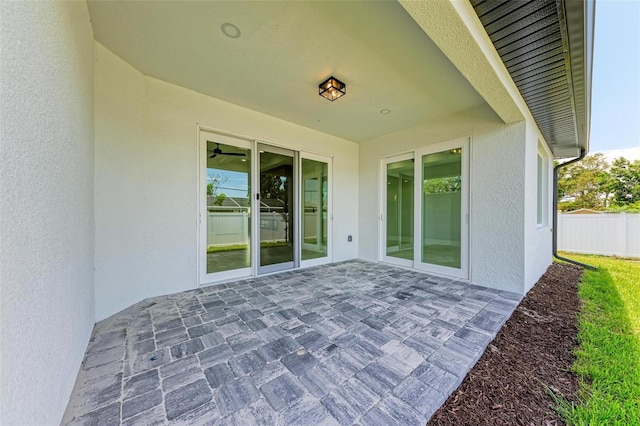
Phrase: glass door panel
x=400 y=209
x=226 y=216
x=441 y=208
x=441 y=222
x=277 y=214
x=398 y=216
x=315 y=202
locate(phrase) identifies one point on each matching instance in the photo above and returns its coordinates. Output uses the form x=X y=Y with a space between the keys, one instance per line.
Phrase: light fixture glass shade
x=332 y=89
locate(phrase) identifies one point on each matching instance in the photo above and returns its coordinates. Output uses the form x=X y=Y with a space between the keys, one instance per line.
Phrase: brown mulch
x=532 y=353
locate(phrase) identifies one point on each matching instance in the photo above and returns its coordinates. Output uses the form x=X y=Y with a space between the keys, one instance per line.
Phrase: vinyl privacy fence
x=609 y=234
x=232 y=228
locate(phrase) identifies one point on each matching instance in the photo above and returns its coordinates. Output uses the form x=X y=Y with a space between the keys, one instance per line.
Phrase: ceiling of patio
x=284 y=51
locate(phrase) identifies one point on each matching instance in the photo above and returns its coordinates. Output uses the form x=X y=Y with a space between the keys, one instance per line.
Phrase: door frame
x=262 y=147
x=329 y=161
x=204 y=278
x=383 y=210
x=463 y=271
x=465 y=232
x=203 y=133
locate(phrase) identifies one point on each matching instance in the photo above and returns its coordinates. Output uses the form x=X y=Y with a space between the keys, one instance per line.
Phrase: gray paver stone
x=452 y=361
x=135 y=405
x=282 y=391
x=202 y=329
x=104 y=356
x=243 y=342
x=236 y=394
x=218 y=375
x=278 y=348
x=312 y=340
x=307 y=411
x=187 y=398
x=189 y=347
x=349 y=401
x=435 y=377
x=108 y=415
x=401 y=412
x=376 y=417
x=300 y=361
x=378 y=378
x=417 y=394
x=181 y=364
x=155 y=416
x=141 y=383
x=182 y=378
x=319 y=381
x=247 y=363
x=474 y=336
x=148 y=361
x=215 y=355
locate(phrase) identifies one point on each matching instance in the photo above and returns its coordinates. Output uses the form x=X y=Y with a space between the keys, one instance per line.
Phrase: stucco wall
x=46 y=199
x=146 y=180
x=538 y=239
x=497 y=191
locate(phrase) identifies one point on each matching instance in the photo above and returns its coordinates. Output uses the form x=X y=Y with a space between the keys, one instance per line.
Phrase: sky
x=615 y=95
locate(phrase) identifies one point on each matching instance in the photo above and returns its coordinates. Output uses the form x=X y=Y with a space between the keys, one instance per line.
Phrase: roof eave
x=578 y=24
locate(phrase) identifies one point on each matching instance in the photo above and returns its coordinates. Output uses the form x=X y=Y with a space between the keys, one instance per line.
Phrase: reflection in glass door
x=226 y=215
x=277 y=212
x=424 y=209
x=441 y=208
x=399 y=210
x=315 y=209
x=442 y=222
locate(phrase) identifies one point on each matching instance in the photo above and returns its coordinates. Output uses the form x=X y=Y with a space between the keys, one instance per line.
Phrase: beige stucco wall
x=146 y=180
x=498 y=185
x=46 y=199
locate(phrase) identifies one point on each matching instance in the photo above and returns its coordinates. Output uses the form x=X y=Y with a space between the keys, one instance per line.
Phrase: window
x=543 y=189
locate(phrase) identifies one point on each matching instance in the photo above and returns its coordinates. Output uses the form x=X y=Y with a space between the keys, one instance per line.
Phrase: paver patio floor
x=351 y=342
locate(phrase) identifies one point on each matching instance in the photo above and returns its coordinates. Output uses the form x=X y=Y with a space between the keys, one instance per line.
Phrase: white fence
x=609 y=234
x=224 y=229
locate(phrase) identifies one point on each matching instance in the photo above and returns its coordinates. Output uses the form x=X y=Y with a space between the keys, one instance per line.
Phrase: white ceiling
x=285 y=50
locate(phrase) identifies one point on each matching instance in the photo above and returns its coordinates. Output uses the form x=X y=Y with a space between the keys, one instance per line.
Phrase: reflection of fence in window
x=273 y=227
x=225 y=229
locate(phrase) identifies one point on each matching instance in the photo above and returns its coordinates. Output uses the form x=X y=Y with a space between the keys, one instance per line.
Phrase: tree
x=625 y=182
x=276 y=186
x=442 y=185
x=588 y=181
x=215 y=181
x=213 y=186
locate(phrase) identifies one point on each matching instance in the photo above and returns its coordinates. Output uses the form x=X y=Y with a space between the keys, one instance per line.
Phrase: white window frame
x=542 y=187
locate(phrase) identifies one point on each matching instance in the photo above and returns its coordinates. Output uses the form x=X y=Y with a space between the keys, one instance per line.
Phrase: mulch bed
x=532 y=353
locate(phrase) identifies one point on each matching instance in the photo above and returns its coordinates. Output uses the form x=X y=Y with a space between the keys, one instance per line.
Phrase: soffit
x=285 y=50
x=542 y=45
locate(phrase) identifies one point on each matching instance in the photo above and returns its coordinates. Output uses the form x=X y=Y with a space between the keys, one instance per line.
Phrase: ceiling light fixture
x=230 y=30
x=332 y=89
x=385 y=111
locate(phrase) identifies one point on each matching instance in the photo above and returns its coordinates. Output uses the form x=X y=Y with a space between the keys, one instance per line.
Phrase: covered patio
x=345 y=343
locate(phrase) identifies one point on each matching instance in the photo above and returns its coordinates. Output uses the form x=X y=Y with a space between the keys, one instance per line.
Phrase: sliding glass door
x=278 y=209
x=398 y=216
x=315 y=211
x=442 y=223
x=424 y=209
x=225 y=215
x=262 y=208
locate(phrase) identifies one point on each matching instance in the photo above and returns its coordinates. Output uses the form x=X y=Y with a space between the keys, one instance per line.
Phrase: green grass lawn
x=608 y=358
x=234 y=247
